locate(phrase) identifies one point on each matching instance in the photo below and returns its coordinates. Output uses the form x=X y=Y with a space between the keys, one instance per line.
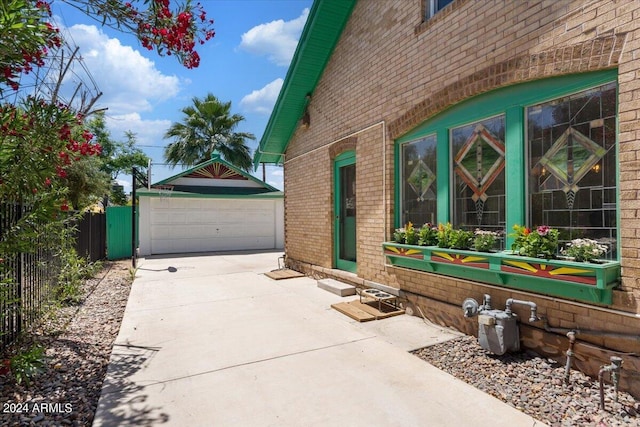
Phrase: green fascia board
x=326 y=21
x=217 y=159
x=182 y=194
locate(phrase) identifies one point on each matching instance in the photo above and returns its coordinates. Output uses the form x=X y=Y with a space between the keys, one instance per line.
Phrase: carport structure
x=213 y=206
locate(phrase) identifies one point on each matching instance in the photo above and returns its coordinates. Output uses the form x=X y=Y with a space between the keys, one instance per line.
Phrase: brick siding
x=391 y=71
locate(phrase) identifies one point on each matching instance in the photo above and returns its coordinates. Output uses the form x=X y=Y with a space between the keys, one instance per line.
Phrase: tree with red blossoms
x=169 y=30
x=27 y=33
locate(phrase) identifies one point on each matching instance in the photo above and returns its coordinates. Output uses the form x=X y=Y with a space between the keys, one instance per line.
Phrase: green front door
x=345 y=211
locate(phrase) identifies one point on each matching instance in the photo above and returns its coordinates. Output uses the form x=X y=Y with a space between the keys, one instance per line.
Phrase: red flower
x=64 y=207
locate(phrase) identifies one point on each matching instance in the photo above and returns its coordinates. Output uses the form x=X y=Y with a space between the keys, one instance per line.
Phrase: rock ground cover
x=533 y=385
x=78 y=342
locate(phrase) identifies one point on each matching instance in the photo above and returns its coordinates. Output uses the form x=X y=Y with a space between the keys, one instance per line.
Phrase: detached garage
x=211 y=207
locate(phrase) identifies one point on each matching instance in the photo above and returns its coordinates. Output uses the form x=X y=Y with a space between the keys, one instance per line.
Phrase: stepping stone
x=336 y=287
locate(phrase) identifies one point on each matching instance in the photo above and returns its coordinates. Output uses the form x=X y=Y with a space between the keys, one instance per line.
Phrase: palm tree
x=208 y=126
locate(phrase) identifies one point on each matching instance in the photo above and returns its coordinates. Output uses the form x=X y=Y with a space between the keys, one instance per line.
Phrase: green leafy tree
x=117 y=157
x=208 y=126
x=86 y=182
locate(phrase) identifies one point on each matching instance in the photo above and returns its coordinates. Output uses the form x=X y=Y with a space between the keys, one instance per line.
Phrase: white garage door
x=179 y=225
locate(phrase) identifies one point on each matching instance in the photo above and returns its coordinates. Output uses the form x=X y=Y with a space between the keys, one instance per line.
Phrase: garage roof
x=320 y=35
x=213 y=178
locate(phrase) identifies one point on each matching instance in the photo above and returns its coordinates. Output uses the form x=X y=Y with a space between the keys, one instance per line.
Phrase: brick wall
x=391 y=71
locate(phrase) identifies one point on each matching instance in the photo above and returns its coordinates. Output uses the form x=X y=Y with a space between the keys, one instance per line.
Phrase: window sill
x=582 y=281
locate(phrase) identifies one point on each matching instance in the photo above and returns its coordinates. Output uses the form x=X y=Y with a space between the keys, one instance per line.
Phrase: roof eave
x=326 y=21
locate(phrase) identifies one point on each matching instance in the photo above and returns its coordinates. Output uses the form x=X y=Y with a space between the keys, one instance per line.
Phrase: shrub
x=74 y=271
x=28 y=364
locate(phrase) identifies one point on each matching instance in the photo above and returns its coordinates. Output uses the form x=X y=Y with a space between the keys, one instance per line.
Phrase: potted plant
x=484 y=240
x=584 y=250
x=399 y=235
x=428 y=235
x=539 y=243
x=532 y=265
x=444 y=234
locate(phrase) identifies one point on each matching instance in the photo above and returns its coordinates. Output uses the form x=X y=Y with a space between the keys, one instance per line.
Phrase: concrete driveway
x=208 y=340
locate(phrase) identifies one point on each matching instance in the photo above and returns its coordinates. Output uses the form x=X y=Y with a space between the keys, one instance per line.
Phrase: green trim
x=326 y=21
x=180 y=194
x=580 y=281
x=498 y=101
x=515 y=178
x=398 y=187
x=510 y=101
x=217 y=159
x=345 y=159
x=444 y=179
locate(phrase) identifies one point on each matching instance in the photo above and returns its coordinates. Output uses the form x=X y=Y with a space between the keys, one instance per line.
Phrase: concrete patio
x=208 y=340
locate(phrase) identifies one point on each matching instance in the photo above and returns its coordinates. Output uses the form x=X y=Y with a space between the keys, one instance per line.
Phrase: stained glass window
x=478 y=157
x=572 y=165
x=418 y=179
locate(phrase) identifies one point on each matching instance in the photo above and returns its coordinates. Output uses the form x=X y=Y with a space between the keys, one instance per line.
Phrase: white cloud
x=276 y=39
x=129 y=82
x=277 y=184
x=148 y=132
x=262 y=100
x=126 y=184
x=275 y=177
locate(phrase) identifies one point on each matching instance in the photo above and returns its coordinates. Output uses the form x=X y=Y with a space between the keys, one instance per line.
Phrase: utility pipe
x=577 y=331
x=614 y=368
x=534 y=308
x=567 y=369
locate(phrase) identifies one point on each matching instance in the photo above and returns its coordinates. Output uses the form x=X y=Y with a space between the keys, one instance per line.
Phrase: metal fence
x=28 y=279
x=91 y=236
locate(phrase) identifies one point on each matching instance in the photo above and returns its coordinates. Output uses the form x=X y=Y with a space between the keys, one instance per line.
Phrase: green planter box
x=590 y=282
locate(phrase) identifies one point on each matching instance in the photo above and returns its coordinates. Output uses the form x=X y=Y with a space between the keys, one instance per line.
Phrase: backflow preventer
x=497 y=329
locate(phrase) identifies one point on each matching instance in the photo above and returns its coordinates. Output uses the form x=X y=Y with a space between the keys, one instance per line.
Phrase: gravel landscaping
x=534 y=385
x=79 y=339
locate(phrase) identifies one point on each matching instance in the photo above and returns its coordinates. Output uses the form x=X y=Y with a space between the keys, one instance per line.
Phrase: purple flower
x=543 y=230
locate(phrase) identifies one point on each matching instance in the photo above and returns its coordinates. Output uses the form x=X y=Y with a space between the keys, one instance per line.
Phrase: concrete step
x=336 y=287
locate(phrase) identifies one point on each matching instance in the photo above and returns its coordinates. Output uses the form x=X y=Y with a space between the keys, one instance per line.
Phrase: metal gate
x=119 y=232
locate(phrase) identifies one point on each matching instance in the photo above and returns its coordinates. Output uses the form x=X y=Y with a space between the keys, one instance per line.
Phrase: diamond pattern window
x=419 y=200
x=572 y=165
x=478 y=152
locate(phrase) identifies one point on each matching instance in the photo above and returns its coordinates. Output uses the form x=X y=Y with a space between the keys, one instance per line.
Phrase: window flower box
x=583 y=281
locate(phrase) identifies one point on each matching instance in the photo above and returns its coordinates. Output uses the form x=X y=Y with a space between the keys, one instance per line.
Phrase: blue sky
x=244 y=63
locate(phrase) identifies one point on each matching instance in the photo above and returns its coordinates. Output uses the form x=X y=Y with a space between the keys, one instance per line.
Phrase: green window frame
x=512 y=102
